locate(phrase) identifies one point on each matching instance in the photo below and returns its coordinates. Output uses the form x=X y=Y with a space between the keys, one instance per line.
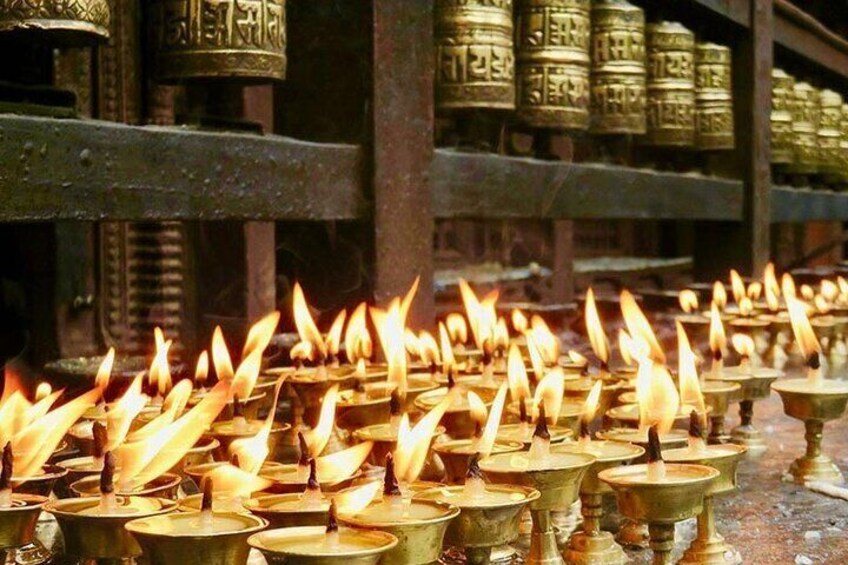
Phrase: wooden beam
x=403 y=149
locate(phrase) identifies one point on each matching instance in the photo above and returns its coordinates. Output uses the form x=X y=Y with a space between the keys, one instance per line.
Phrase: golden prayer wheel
x=552 y=40
x=829 y=133
x=475 y=63
x=713 y=97
x=805 y=123
x=210 y=39
x=843 y=143
x=671 y=85
x=78 y=21
x=782 y=103
x=618 y=68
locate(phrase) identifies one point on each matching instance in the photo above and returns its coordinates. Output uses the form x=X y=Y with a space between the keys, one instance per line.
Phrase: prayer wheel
x=829 y=133
x=805 y=124
x=65 y=21
x=618 y=68
x=212 y=39
x=671 y=85
x=552 y=41
x=475 y=62
x=713 y=98
x=843 y=144
x=782 y=103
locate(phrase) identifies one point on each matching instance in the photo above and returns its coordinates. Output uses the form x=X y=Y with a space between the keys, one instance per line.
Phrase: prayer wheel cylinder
x=218 y=39
x=713 y=97
x=552 y=41
x=61 y=21
x=618 y=68
x=805 y=124
x=475 y=61
x=671 y=85
x=843 y=144
x=782 y=103
x=829 y=133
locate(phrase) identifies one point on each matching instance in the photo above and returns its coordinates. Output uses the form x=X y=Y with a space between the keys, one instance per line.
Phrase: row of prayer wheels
x=584 y=65
x=243 y=40
x=809 y=129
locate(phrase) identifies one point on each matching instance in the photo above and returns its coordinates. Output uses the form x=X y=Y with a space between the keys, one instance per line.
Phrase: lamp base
x=633 y=535
x=750 y=437
x=714 y=551
x=597 y=549
x=816 y=468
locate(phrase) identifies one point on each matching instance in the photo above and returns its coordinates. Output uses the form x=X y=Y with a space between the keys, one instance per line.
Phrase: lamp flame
x=260 y=334
x=519 y=321
x=122 y=413
x=477 y=408
x=201 y=371
x=743 y=344
x=772 y=288
x=487 y=440
x=104 y=372
x=755 y=290
x=160 y=372
x=355 y=500
x=719 y=295
x=801 y=327
x=516 y=373
x=231 y=482
x=638 y=326
x=334 y=336
x=342 y=464
x=625 y=347
x=787 y=286
x=590 y=405
x=358 y=343
x=595 y=329
x=690 y=386
x=457 y=328
x=657 y=397
x=221 y=356
x=448 y=359
x=546 y=341
x=550 y=391
x=252 y=451
x=428 y=349
x=737 y=285
x=829 y=290
x=688 y=301
x=414 y=442
x=718 y=338
x=318 y=437
x=390 y=326
x=306 y=328
x=172 y=409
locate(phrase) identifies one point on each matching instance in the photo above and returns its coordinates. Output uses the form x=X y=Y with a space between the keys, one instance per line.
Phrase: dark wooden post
x=403 y=150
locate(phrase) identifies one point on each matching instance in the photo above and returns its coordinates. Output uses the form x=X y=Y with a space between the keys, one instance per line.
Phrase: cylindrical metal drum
x=829 y=133
x=805 y=125
x=713 y=97
x=552 y=40
x=671 y=85
x=782 y=103
x=475 y=62
x=68 y=22
x=212 y=39
x=618 y=68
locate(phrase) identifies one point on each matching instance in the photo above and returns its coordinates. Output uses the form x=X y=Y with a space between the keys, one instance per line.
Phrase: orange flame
x=595 y=328
x=260 y=334
x=121 y=414
x=318 y=437
x=657 y=397
x=334 y=336
x=448 y=359
x=638 y=326
x=829 y=290
x=390 y=326
x=486 y=441
x=252 y=451
x=536 y=360
x=516 y=373
x=306 y=328
x=457 y=328
x=477 y=408
x=718 y=339
x=755 y=290
x=519 y=321
x=807 y=292
x=160 y=371
x=690 y=387
x=201 y=371
x=688 y=301
x=355 y=500
x=342 y=464
x=501 y=337
x=577 y=358
x=550 y=391
x=358 y=343
x=719 y=295
x=625 y=347
x=104 y=372
x=221 y=356
x=33 y=445
x=821 y=304
x=481 y=314
x=42 y=391
x=745 y=307
x=246 y=375
x=743 y=344
x=144 y=460
x=409 y=297
x=414 y=443
x=172 y=409
x=801 y=327
x=546 y=341
x=737 y=285
x=428 y=349
x=410 y=342
x=787 y=286
x=771 y=287
x=229 y=481
x=590 y=405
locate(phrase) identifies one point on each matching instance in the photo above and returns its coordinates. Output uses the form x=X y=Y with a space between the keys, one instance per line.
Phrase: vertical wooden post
x=563 y=263
x=403 y=149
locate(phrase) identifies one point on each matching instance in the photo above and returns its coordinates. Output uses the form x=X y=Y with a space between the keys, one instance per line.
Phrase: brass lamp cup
x=756 y=385
x=660 y=504
x=592 y=545
x=79 y=468
x=569 y=414
x=627 y=415
x=456 y=453
x=17 y=523
x=481 y=527
x=524 y=434
x=558 y=485
x=194 y=503
x=310 y=390
x=419 y=541
x=163 y=486
x=814 y=408
x=458 y=422
x=286 y=480
x=385 y=440
x=273 y=545
x=709 y=546
x=303 y=515
x=41 y=484
x=99 y=537
x=697 y=327
x=576 y=390
x=717 y=396
x=202 y=452
x=250 y=407
x=162 y=545
x=222 y=433
x=669 y=440
x=353 y=412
